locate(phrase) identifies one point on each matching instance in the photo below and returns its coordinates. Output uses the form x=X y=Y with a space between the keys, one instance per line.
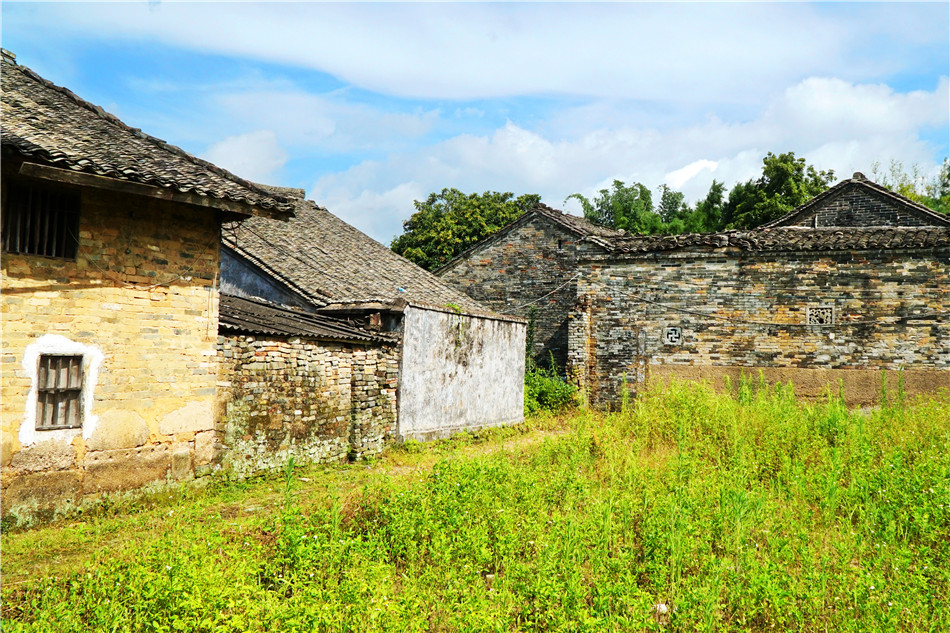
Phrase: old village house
x=529 y=269
x=111 y=242
x=852 y=283
x=438 y=362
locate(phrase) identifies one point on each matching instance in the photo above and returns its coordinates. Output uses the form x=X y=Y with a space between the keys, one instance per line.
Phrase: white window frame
x=54 y=344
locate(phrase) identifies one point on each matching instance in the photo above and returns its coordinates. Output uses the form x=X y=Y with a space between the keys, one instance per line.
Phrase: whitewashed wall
x=459 y=372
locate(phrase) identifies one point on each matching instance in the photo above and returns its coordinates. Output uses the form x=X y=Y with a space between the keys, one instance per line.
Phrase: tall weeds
x=754 y=512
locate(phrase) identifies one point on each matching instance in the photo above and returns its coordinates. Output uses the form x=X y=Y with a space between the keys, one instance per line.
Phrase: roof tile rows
x=50 y=124
x=332 y=262
x=239 y=314
x=791 y=239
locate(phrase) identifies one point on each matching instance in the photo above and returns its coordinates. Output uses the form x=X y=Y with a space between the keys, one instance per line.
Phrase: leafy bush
x=544 y=390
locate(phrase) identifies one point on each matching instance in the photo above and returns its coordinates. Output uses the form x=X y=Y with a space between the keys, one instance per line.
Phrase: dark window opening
x=59 y=392
x=38 y=220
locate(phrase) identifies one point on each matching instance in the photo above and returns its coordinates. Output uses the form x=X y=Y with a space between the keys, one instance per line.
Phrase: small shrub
x=544 y=390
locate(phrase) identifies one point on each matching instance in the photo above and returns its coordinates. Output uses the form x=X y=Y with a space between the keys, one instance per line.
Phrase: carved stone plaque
x=672 y=336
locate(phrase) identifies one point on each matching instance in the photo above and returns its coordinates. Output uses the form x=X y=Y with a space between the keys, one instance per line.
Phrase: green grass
x=753 y=512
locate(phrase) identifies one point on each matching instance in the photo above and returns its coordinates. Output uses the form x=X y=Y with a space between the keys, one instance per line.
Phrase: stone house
x=459 y=366
x=111 y=242
x=854 y=282
x=529 y=266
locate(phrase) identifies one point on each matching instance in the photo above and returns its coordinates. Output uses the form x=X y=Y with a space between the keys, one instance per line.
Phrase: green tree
x=672 y=206
x=933 y=193
x=707 y=216
x=447 y=223
x=624 y=207
x=786 y=182
x=938 y=190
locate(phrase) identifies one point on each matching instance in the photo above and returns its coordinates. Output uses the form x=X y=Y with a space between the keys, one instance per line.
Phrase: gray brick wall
x=315 y=401
x=750 y=310
x=531 y=264
x=861 y=207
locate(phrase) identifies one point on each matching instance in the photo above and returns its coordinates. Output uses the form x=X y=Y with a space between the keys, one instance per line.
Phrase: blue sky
x=371 y=106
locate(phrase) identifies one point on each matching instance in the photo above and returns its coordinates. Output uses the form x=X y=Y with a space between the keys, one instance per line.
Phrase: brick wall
x=310 y=400
x=531 y=264
x=736 y=310
x=139 y=302
x=860 y=206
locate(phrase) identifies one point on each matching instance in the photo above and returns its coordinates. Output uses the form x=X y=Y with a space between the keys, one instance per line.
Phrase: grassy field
x=688 y=511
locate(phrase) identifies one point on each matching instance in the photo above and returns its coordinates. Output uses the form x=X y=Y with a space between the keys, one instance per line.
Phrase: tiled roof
x=576 y=224
x=859 y=180
x=248 y=316
x=49 y=124
x=333 y=263
x=790 y=239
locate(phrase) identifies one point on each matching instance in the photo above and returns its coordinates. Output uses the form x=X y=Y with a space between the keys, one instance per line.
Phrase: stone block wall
x=310 y=400
x=860 y=207
x=139 y=304
x=531 y=264
x=713 y=314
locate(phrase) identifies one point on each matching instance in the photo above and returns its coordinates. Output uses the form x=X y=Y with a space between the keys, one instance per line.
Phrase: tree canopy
x=933 y=192
x=628 y=208
x=447 y=223
x=785 y=183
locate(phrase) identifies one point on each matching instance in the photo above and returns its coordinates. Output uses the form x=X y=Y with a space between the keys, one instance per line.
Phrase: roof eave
x=82 y=179
x=806 y=207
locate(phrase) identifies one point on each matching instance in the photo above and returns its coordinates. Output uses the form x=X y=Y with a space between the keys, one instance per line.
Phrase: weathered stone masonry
x=295 y=397
x=738 y=311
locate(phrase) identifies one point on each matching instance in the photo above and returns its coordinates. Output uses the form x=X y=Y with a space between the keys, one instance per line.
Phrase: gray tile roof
x=859 y=181
x=249 y=316
x=49 y=124
x=790 y=239
x=333 y=263
x=576 y=224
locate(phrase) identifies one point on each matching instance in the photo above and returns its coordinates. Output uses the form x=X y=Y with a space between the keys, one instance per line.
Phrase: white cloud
x=677 y=178
x=875 y=124
x=371 y=211
x=255 y=156
x=330 y=122
x=677 y=93
x=683 y=52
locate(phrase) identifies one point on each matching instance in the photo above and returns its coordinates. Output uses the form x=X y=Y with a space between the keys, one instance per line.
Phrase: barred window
x=59 y=392
x=39 y=220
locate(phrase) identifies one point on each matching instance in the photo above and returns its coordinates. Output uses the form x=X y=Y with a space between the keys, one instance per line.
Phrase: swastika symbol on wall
x=672 y=336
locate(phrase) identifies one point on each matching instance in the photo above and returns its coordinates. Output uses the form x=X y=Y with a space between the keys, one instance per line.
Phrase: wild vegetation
x=689 y=510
